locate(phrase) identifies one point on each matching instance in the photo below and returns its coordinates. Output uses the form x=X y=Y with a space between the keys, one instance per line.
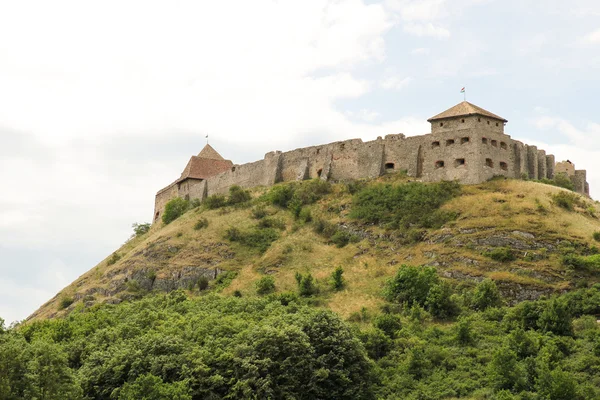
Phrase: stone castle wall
x=469 y=149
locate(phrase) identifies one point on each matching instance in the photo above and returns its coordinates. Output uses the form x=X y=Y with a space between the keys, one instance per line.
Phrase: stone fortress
x=466 y=143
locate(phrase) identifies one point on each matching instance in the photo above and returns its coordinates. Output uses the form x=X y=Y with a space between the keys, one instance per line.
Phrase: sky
x=103 y=103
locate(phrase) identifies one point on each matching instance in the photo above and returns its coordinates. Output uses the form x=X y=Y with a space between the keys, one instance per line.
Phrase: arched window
x=495 y=143
x=503 y=166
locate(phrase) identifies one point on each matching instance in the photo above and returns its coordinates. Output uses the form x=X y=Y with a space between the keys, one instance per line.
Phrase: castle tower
x=468 y=144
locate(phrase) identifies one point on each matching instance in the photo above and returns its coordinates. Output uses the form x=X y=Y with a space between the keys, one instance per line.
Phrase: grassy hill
x=514 y=232
x=383 y=289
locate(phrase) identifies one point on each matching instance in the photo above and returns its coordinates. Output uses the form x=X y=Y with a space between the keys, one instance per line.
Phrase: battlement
x=466 y=143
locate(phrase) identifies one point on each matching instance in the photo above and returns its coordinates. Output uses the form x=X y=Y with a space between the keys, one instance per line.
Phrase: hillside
x=490 y=220
x=386 y=289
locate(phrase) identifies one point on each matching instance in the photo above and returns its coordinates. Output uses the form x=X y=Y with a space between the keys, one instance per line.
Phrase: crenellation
x=466 y=143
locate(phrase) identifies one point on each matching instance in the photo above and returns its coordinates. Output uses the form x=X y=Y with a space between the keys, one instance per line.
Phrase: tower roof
x=463 y=109
x=209 y=153
x=203 y=168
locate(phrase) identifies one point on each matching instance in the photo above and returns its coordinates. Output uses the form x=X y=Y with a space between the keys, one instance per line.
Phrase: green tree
x=174 y=209
x=556 y=318
x=150 y=387
x=485 y=295
x=337 y=278
x=504 y=371
x=439 y=301
x=238 y=195
x=389 y=324
x=49 y=375
x=265 y=285
x=306 y=284
x=140 y=229
x=557 y=385
x=411 y=285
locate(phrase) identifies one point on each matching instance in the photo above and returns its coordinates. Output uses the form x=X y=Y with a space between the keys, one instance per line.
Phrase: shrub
x=237 y=195
x=65 y=302
x=501 y=254
x=342 y=238
x=306 y=284
x=586 y=263
x=202 y=283
x=596 y=236
x=305 y=215
x=439 y=302
x=195 y=203
x=486 y=294
x=325 y=228
x=174 y=209
x=280 y=195
x=258 y=238
x=411 y=285
x=270 y=222
x=412 y=204
x=556 y=318
x=200 y=224
x=114 y=257
x=237 y=293
x=337 y=278
x=259 y=212
x=215 y=201
x=295 y=206
x=389 y=324
x=265 y=285
x=140 y=229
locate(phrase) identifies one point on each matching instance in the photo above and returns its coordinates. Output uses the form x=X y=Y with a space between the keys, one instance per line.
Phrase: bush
x=306 y=284
x=200 y=224
x=280 y=195
x=258 y=238
x=305 y=215
x=259 y=212
x=265 y=285
x=140 y=229
x=439 y=301
x=114 y=257
x=585 y=263
x=596 y=236
x=237 y=195
x=215 y=201
x=389 y=324
x=341 y=238
x=485 y=295
x=174 y=209
x=411 y=285
x=65 y=302
x=295 y=195
x=412 y=204
x=270 y=222
x=325 y=228
x=501 y=254
x=202 y=283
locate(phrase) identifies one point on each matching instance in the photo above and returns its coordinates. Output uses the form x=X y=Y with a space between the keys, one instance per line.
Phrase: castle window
x=342 y=145
x=459 y=161
x=503 y=145
x=319 y=172
x=494 y=143
x=488 y=122
x=484 y=140
x=478 y=119
x=441 y=124
x=389 y=165
x=463 y=120
x=435 y=144
x=157 y=215
x=439 y=164
x=318 y=151
x=489 y=163
x=449 y=142
x=232 y=169
x=503 y=166
x=496 y=124
x=464 y=140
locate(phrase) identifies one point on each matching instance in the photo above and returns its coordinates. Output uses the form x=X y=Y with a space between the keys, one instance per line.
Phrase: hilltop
x=520 y=234
x=375 y=289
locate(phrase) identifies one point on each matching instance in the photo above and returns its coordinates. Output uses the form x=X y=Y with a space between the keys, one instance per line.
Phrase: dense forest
x=317 y=326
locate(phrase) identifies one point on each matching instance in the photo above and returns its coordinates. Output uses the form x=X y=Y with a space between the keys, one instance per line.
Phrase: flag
x=462 y=90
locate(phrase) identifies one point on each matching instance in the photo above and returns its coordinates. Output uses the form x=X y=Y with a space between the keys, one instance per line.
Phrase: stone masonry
x=466 y=143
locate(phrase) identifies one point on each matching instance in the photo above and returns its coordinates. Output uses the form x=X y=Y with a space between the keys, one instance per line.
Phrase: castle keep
x=466 y=143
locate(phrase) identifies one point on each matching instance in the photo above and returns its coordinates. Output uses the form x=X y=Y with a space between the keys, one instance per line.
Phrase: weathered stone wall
x=468 y=149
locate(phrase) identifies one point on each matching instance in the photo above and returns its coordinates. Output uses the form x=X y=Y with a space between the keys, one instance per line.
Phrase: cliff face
x=492 y=218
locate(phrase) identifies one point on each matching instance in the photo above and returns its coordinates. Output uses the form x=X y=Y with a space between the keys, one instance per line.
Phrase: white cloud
x=592 y=37
x=418 y=10
x=395 y=83
x=427 y=30
x=421 y=51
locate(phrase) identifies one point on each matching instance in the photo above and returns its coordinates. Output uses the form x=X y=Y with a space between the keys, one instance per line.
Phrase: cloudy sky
x=102 y=103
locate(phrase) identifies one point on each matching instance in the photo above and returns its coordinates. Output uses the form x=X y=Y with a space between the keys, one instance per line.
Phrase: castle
x=466 y=143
